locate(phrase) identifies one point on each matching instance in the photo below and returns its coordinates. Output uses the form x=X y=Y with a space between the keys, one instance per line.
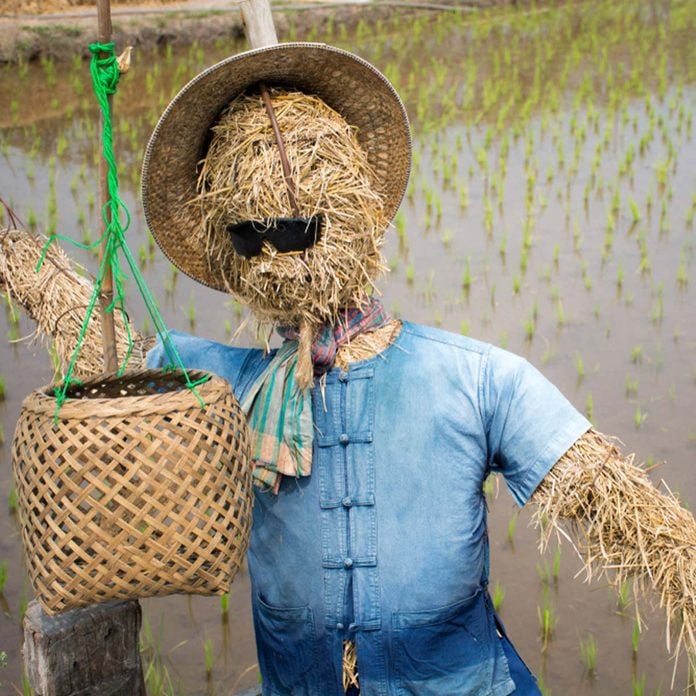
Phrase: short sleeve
x=239 y=366
x=529 y=423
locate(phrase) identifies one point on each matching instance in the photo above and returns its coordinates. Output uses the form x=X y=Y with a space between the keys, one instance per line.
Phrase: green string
x=105 y=77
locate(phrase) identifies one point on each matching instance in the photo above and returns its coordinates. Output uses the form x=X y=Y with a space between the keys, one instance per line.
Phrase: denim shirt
x=386 y=543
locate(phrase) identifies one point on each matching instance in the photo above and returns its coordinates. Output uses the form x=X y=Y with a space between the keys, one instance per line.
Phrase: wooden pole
x=107 y=289
x=258 y=23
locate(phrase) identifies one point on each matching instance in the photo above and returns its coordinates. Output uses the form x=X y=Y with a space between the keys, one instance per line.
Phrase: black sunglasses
x=285 y=234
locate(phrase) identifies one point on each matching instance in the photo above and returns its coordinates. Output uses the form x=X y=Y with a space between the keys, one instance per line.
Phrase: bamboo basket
x=136 y=491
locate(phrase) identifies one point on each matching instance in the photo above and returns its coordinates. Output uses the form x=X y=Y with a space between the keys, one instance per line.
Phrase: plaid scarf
x=279 y=413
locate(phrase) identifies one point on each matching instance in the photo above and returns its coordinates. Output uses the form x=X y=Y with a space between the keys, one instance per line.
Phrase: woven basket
x=136 y=491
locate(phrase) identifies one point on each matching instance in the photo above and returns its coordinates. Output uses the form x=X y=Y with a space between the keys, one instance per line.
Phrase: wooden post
x=258 y=23
x=85 y=651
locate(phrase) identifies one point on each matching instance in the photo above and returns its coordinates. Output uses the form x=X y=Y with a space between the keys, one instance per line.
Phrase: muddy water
x=550 y=211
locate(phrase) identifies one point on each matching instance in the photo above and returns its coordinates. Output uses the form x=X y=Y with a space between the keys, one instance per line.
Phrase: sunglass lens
x=295 y=234
x=247 y=238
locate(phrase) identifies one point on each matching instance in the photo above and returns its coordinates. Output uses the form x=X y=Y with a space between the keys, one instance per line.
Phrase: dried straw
x=624 y=527
x=241 y=179
x=56 y=298
x=350 y=665
x=366 y=345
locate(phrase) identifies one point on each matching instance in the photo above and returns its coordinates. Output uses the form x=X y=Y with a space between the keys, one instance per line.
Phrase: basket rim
x=43 y=401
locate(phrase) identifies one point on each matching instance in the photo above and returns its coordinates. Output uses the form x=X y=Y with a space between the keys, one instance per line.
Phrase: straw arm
x=623 y=526
x=55 y=297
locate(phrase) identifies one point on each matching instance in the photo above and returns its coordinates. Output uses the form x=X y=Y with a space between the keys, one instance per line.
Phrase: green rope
x=105 y=77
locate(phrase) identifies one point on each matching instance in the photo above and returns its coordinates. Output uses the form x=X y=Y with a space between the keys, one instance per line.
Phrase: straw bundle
x=242 y=179
x=624 y=527
x=350 y=665
x=56 y=298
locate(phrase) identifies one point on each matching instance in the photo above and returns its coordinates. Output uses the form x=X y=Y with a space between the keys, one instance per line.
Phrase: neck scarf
x=279 y=413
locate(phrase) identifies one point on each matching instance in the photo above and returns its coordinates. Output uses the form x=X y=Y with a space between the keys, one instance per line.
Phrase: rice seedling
x=589 y=407
x=560 y=314
x=547 y=620
x=638 y=685
x=635 y=213
x=191 y=314
x=524 y=261
x=635 y=639
x=543 y=687
x=630 y=387
x=225 y=605
x=639 y=417
x=498 y=596
x=512 y=527
x=516 y=284
x=682 y=274
x=623 y=596
x=12 y=501
x=32 y=221
x=2 y=388
x=209 y=657
x=2 y=434
x=588 y=653
x=3 y=577
x=502 y=247
x=158 y=681
x=556 y=565
x=529 y=329
x=579 y=367
x=466 y=276
x=637 y=354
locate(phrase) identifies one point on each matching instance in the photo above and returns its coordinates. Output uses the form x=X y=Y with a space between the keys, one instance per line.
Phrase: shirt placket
x=348 y=515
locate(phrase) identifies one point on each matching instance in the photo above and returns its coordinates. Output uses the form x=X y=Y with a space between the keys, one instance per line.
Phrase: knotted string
x=105 y=77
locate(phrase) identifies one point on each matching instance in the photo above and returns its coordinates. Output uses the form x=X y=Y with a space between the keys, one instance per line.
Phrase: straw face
x=242 y=179
x=344 y=82
x=135 y=495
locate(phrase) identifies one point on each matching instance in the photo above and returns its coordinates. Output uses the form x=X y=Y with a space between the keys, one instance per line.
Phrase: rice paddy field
x=550 y=211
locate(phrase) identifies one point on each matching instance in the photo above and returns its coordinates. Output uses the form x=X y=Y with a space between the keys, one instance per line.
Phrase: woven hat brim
x=346 y=82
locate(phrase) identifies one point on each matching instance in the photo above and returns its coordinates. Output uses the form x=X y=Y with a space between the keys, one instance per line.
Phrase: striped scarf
x=279 y=413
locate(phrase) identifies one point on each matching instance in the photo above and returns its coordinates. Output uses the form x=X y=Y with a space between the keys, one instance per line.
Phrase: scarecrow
x=273 y=176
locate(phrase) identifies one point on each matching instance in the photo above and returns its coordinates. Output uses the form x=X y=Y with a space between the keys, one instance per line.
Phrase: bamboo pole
x=107 y=290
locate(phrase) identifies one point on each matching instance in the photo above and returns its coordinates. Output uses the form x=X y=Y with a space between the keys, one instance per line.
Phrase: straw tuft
x=56 y=298
x=624 y=527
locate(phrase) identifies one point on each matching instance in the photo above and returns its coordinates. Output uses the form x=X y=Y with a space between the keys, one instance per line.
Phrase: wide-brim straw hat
x=344 y=81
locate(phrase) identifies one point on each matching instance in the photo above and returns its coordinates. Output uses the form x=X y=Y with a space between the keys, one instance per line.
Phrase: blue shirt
x=386 y=543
